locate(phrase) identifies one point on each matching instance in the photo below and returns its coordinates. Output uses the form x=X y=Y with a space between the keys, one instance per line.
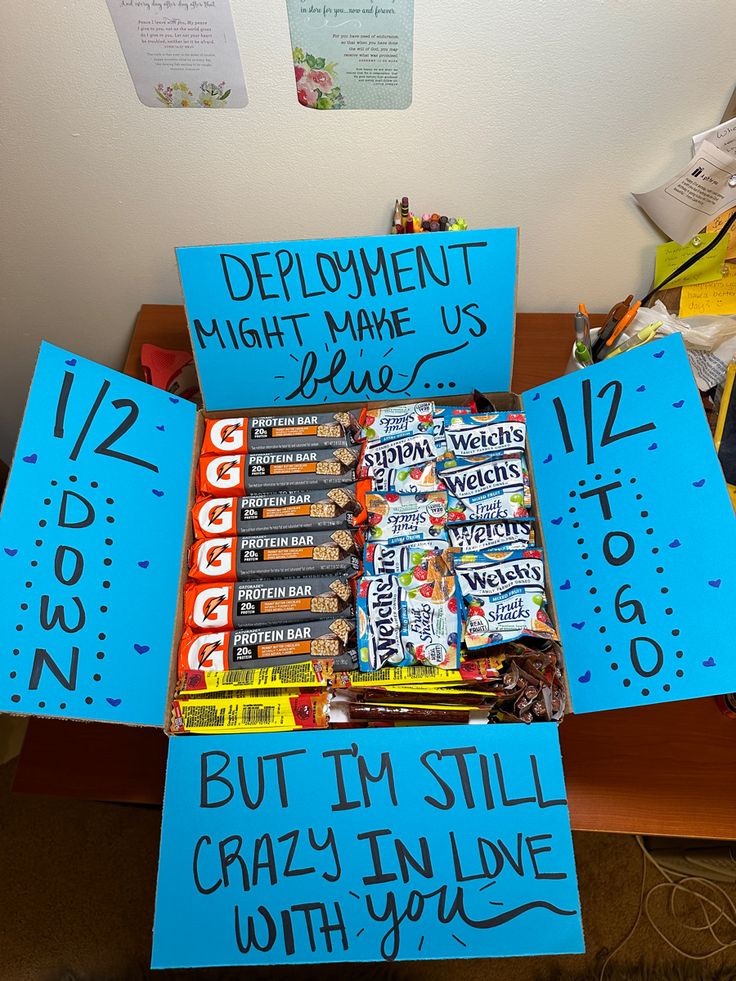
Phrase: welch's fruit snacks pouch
x=504 y=597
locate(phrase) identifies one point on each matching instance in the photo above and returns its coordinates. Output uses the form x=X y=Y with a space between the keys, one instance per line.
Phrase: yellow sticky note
x=706 y=270
x=717 y=225
x=718 y=297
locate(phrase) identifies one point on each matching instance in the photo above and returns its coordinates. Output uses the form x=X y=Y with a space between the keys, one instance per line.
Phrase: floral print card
x=181 y=54
x=352 y=55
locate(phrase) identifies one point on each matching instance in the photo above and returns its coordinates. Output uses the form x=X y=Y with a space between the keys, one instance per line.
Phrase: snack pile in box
x=365 y=569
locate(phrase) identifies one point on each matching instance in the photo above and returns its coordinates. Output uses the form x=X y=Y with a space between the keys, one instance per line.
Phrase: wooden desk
x=662 y=770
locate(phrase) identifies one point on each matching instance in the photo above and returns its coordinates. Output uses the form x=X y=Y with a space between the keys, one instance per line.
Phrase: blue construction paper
x=675 y=575
x=508 y=908
x=121 y=569
x=260 y=340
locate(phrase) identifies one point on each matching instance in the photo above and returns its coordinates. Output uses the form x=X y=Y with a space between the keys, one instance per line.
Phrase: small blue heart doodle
x=579 y=626
x=678 y=405
x=11 y=551
x=699 y=483
x=172 y=399
x=547 y=459
x=675 y=543
x=142 y=648
x=585 y=678
x=565 y=584
x=71 y=362
x=642 y=388
x=652 y=447
x=556 y=521
x=144 y=564
x=715 y=583
x=161 y=429
x=158 y=493
x=659 y=354
x=33 y=458
x=114 y=701
x=709 y=662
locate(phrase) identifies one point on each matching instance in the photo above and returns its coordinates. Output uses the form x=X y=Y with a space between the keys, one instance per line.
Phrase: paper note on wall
x=717 y=224
x=441 y=842
x=714 y=298
x=639 y=530
x=91 y=536
x=351 y=319
x=181 y=54
x=705 y=270
x=696 y=195
x=352 y=56
x=723 y=136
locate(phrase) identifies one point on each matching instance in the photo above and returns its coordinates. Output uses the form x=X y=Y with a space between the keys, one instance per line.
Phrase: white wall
x=537 y=113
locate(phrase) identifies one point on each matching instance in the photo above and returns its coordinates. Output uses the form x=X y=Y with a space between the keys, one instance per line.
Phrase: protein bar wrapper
x=234 y=649
x=227 y=605
x=235 y=474
x=303 y=711
x=264 y=434
x=346 y=661
x=491 y=535
x=300 y=675
x=314 y=508
x=504 y=597
x=297 y=553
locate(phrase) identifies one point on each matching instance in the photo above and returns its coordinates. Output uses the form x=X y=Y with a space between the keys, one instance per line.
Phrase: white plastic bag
x=710 y=340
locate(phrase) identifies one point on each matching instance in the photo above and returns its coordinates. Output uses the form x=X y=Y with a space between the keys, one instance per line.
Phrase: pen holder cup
x=572 y=364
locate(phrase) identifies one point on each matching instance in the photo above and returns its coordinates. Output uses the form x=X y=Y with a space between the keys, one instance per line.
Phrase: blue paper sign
x=353 y=319
x=639 y=530
x=91 y=536
x=441 y=842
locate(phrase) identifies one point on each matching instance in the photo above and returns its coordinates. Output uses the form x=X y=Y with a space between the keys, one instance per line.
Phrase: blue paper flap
x=402 y=844
x=639 y=530
x=351 y=319
x=91 y=536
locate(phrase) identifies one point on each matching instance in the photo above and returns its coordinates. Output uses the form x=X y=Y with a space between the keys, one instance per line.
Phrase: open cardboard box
x=363 y=844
